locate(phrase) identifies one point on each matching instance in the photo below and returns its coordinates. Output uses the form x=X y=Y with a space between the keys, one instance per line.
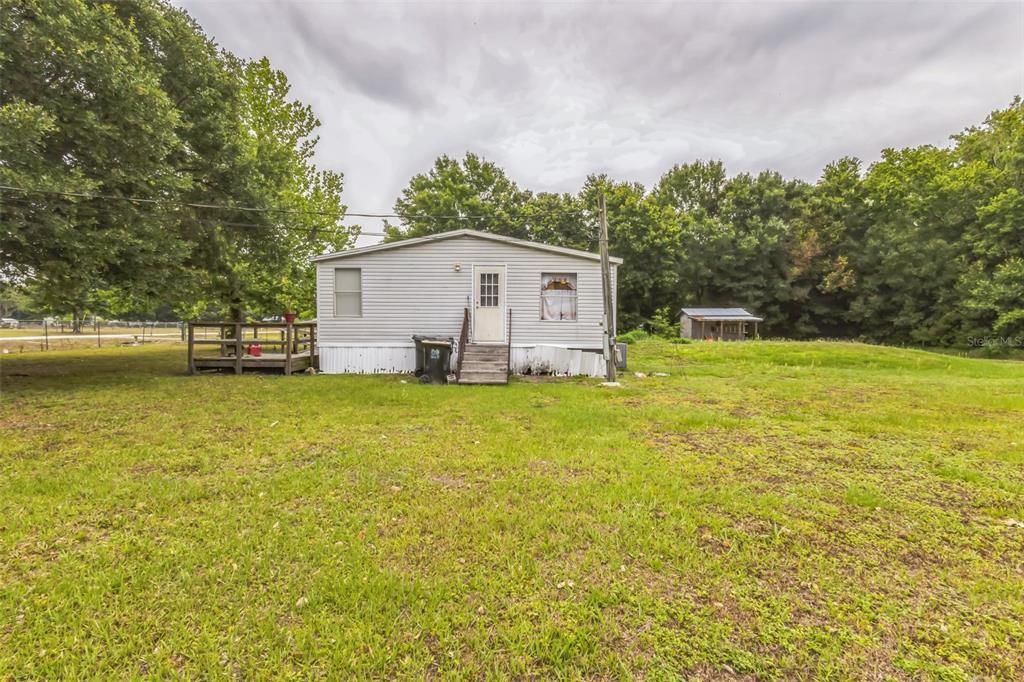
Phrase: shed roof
x=720 y=314
x=463 y=233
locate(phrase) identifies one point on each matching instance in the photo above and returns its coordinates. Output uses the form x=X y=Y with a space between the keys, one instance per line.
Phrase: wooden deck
x=231 y=342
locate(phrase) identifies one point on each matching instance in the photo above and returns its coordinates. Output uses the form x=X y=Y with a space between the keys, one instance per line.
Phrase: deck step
x=486 y=351
x=484 y=365
x=483 y=377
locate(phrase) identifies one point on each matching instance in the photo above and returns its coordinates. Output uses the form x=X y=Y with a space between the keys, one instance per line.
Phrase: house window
x=348 y=292
x=558 y=296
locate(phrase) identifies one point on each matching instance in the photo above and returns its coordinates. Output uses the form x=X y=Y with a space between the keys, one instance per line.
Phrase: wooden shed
x=718 y=324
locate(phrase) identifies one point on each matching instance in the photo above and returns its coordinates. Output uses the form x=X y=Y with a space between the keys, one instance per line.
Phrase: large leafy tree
x=472 y=193
x=992 y=158
x=560 y=219
x=826 y=230
x=131 y=99
x=82 y=109
x=644 y=234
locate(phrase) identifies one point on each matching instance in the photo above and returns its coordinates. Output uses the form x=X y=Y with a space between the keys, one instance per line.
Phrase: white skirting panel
x=367 y=359
x=556 y=360
x=391 y=359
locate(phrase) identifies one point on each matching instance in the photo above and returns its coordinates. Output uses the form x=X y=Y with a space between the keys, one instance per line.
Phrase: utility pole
x=606 y=285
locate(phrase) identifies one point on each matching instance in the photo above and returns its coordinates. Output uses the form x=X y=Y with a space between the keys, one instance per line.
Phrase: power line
x=292 y=228
x=255 y=209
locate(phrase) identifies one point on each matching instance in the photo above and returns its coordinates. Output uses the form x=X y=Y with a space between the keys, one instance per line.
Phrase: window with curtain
x=348 y=292
x=558 y=296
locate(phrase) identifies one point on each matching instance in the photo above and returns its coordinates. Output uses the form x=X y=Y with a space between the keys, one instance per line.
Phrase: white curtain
x=558 y=297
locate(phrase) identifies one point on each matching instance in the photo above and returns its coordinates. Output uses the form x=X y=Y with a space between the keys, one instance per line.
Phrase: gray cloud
x=555 y=91
x=384 y=74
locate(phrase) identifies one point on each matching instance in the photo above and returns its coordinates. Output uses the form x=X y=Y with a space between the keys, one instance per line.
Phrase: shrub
x=632 y=337
x=663 y=325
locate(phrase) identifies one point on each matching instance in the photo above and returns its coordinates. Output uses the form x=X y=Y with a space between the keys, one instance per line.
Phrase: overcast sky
x=553 y=91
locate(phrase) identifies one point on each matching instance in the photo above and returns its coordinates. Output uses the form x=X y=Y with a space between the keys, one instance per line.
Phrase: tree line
x=925 y=246
x=132 y=99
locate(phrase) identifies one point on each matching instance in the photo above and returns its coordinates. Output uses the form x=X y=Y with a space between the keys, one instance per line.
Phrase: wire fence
x=20 y=336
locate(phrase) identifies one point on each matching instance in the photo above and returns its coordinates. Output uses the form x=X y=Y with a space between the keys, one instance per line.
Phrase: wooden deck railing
x=297 y=344
x=463 y=341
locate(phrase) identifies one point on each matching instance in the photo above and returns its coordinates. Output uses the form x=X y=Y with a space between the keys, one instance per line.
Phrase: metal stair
x=484 y=364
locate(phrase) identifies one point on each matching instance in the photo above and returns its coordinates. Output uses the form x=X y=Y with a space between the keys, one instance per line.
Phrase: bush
x=678 y=340
x=663 y=325
x=632 y=337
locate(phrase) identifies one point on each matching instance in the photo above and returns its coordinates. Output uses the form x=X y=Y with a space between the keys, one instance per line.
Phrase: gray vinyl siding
x=416 y=290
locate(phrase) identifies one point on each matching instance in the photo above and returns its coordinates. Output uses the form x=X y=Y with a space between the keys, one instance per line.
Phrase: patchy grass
x=770 y=510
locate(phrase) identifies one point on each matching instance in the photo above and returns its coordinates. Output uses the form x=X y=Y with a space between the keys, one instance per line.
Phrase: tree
x=646 y=237
x=131 y=99
x=693 y=187
x=474 y=193
x=561 y=220
x=825 y=232
x=81 y=109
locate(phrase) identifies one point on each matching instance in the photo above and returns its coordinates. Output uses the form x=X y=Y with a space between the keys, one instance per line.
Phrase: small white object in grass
x=1013 y=523
x=302 y=601
x=639 y=375
x=481 y=610
x=403 y=381
x=610 y=384
x=662 y=374
x=273 y=424
x=622 y=568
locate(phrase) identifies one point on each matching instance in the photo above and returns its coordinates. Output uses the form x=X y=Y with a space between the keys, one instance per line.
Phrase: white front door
x=488 y=304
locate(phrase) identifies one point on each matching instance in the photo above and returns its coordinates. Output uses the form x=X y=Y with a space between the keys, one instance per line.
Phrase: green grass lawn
x=770 y=510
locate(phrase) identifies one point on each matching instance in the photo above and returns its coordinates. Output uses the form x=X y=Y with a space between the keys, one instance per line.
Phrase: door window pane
x=488 y=289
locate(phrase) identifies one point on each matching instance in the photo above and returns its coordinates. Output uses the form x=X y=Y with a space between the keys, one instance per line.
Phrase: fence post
x=191 y=348
x=99 y=342
x=46 y=334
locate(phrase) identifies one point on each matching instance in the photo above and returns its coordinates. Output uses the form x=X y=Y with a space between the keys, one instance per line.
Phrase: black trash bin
x=433 y=359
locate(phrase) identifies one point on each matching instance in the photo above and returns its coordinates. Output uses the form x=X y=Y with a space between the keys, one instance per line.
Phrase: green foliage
x=632 y=337
x=664 y=323
x=132 y=99
x=434 y=202
x=921 y=247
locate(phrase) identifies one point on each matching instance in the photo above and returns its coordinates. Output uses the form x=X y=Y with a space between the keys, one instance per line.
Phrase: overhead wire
x=256 y=209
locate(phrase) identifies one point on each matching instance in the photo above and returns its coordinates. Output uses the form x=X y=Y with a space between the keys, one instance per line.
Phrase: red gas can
x=255 y=350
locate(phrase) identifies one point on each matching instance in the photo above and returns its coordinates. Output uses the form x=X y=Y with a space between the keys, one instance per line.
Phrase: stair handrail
x=508 y=358
x=463 y=341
